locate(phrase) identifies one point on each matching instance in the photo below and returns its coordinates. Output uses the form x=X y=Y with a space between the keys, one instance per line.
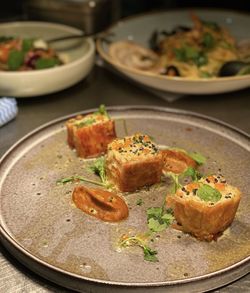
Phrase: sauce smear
x=102 y=204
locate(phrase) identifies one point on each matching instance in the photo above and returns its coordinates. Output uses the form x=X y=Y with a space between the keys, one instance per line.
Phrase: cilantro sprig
x=102 y=110
x=98 y=168
x=191 y=172
x=159 y=219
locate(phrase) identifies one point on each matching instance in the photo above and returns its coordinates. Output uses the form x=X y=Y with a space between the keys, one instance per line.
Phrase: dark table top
x=104 y=87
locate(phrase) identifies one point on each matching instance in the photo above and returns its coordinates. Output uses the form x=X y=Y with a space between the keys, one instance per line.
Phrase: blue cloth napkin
x=8 y=110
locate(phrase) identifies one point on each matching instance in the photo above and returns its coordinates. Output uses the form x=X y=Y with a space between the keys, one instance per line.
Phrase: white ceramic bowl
x=80 y=54
x=139 y=29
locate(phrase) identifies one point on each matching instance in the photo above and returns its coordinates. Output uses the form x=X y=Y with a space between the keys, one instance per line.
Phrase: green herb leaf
x=158 y=219
x=27 y=44
x=201 y=59
x=44 y=63
x=15 y=59
x=208 y=193
x=154 y=212
x=98 y=168
x=149 y=254
x=155 y=226
x=102 y=110
x=86 y=122
x=139 y=202
x=193 y=173
x=199 y=158
x=208 y=41
x=187 y=53
x=168 y=218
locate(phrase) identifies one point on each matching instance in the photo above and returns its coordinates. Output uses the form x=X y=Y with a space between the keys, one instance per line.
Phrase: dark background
x=12 y=9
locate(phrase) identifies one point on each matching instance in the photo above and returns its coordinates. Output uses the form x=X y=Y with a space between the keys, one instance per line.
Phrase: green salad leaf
x=44 y=63
x=15 y=59
x=27 y=45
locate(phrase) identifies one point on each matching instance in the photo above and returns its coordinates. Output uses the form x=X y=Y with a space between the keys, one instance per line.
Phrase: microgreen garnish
x=159 y=219
x=208 y=193
x=77 y=178
x=128 y=241
x=102 y=110
x=139 y=202
x=86 y=122
x=189 y=172
x=193 y=173
x=98 y=168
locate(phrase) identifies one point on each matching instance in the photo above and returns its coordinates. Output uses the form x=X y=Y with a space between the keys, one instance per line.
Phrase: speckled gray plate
x=42 y=228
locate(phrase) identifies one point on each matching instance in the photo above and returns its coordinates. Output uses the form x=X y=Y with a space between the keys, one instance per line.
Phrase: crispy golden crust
x=92 y=140
x=70 y=132
x=204 y=221
x=133 y=162
x=177 y=161
x=134 y=175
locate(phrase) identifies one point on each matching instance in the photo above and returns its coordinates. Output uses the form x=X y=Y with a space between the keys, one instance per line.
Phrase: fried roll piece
x=91 y=134
x=205 y=208
x=133 y=162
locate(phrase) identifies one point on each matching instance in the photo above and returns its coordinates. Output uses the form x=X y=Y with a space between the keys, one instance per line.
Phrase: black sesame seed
x=215 y=180
x=183 y=189
x=208 y=181
x=194 y=191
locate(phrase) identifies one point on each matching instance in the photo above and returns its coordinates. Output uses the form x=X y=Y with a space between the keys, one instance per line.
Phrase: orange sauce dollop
x=102 y=204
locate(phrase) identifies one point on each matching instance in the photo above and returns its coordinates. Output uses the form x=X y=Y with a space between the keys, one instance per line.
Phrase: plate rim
x=11 y=241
